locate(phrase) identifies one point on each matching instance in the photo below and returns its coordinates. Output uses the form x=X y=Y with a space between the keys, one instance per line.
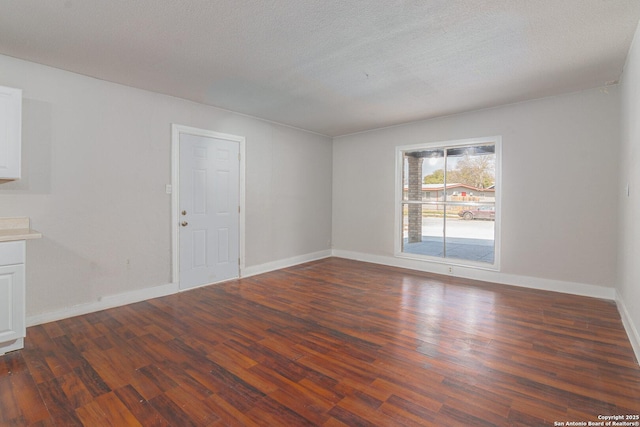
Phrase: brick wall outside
x=415 y=193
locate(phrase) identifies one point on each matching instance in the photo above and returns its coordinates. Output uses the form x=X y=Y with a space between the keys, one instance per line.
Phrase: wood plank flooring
x=329 y=343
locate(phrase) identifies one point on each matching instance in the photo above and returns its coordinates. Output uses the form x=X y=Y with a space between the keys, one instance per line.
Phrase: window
x=459 y=223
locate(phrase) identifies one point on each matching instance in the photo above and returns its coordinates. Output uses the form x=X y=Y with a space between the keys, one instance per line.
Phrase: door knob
x=184 y=223
x=184 y=212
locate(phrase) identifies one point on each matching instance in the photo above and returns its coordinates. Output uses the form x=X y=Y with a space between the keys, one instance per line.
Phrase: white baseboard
x=103 y=303
x=283 y=263
x=632 y=331
x=484 y=275
x=464 y=272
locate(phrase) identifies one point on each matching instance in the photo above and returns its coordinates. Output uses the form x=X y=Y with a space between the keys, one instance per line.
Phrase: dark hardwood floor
x=330 y=343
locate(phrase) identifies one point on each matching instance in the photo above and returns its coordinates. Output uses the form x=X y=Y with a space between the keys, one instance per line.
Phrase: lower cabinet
x=12 y=296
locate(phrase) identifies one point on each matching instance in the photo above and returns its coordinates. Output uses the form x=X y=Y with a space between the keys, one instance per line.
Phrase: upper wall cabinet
x=10 y=132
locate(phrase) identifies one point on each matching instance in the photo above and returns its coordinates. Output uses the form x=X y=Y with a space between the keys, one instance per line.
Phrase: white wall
x=96 y=159
x=628 y=283
x=559 y=195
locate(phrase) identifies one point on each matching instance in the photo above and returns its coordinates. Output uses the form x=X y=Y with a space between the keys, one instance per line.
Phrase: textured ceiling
x=332 y=66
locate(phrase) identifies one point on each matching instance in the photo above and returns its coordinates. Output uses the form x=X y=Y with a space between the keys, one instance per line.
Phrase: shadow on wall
x=57 y=277
x=36 y=150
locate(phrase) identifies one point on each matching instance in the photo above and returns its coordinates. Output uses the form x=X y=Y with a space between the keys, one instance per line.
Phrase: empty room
x=319 y=213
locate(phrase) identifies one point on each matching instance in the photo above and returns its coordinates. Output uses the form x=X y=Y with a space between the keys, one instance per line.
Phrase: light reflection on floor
x=431 y=304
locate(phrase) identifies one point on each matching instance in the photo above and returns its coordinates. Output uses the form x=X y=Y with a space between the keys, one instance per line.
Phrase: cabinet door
x=12 y=304
x=10 y=132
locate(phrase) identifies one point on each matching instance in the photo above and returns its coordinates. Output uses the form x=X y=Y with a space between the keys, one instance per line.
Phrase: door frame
x=176 y=131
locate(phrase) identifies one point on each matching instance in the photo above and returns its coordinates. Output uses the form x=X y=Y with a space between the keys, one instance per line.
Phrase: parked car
x=482 y=212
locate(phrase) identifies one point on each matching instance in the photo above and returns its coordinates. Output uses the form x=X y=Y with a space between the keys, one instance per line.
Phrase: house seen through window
x=448 y=204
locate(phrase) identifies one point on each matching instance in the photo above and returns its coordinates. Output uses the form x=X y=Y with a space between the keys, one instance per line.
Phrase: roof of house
x=439 y=187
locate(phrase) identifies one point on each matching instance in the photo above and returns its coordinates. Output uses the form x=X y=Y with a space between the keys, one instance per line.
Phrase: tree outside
x=475 y=171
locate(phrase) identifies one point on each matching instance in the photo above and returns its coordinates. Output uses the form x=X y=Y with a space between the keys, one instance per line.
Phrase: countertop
x=12 y=229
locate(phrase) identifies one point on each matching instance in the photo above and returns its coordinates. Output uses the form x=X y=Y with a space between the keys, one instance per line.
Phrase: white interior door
x=209 y=203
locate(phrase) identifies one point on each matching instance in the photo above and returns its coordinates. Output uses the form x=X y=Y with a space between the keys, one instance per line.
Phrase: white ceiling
x=331 y=66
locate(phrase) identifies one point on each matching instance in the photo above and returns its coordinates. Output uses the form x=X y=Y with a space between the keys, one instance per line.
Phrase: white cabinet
x=12 y=296
x=14 y=232
x=10 y=132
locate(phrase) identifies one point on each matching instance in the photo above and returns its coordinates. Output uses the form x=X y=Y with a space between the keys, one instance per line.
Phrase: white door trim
x=176 y=130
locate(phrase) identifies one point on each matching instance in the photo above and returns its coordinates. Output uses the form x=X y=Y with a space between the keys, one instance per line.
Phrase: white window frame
x=398 y=235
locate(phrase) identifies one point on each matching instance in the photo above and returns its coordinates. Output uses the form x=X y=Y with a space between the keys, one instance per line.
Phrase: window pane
x=470 y=170
x=471 y=233
x=423 y=230
x=423 y=175
x=470 y=222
